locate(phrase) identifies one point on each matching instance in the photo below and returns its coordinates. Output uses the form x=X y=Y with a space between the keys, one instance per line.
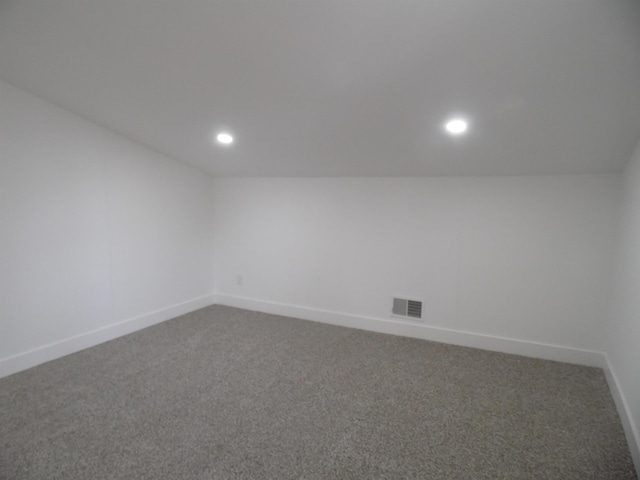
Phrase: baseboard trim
x=628 y=424
x=46 y=353
x=396 y=326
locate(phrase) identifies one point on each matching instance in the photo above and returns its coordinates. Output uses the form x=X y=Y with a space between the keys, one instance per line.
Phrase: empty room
x=319 y=239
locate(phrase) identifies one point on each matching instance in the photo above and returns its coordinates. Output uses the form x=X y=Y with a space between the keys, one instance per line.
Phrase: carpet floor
x=224 y=393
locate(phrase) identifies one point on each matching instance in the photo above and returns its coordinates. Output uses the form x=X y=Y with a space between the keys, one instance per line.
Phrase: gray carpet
x=224 y=393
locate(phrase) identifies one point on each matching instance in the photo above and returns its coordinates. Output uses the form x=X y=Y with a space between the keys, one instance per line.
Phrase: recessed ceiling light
x=456 y=126
x=224 y=138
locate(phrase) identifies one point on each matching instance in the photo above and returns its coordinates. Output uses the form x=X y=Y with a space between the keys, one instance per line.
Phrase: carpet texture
x=224 y=393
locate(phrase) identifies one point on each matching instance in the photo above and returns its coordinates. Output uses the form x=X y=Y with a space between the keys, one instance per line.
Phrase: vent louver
x=407 y=308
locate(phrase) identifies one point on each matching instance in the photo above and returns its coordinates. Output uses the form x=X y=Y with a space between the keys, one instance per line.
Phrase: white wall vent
x=403 y=307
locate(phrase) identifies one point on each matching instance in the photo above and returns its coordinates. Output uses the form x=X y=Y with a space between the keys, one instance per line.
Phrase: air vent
x=407 y=308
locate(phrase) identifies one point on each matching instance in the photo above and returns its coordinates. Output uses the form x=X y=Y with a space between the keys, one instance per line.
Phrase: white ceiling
x=343 y=87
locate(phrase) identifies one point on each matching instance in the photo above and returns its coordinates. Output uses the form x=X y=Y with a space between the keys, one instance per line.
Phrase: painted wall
x=96 y=230
x=100 y=236
x=623 y=339
x=525 y=258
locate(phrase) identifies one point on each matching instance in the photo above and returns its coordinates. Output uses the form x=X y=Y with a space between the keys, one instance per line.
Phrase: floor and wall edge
x=468 y=339
x=32 y=358
x=628 y=424
x=52 y=351
x=395 y=326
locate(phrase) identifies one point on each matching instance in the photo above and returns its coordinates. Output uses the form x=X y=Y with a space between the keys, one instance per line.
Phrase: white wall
x=100 y=236
x=95 y=230
x=623 y=339
x=521 y=258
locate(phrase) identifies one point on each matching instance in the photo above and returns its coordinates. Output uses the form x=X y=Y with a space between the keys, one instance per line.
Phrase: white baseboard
x=31 y=358
x=395 y=326
x=628 y=424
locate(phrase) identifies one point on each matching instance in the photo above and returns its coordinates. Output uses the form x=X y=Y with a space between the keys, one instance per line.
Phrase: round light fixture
x=456 y=126
x=224 y=138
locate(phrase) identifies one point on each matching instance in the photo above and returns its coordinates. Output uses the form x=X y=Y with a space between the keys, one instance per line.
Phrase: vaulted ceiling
x=343 y=87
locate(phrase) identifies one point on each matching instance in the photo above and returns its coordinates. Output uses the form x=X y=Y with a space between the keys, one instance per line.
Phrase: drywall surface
x=96 y=230
x=525 y=258
x=623 y=339
x=161 y=235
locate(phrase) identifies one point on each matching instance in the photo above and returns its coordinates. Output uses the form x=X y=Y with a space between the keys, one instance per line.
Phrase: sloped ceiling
x=344 y=87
